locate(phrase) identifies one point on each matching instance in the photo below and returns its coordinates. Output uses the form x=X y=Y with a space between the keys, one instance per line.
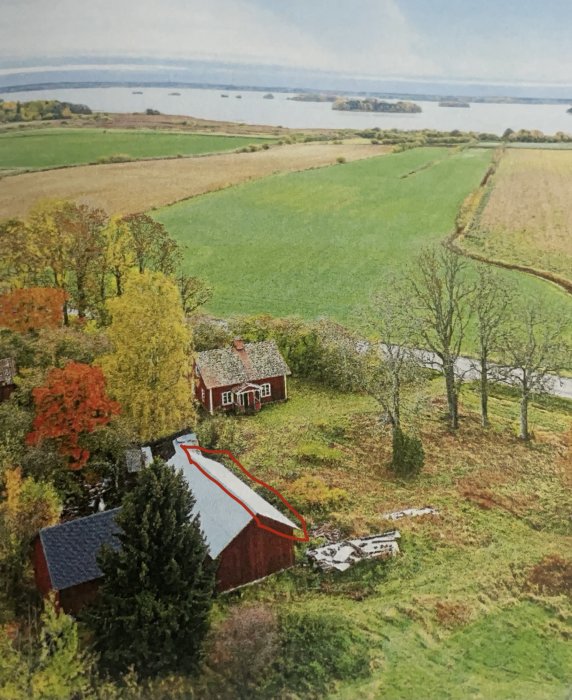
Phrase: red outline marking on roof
x=260 y=524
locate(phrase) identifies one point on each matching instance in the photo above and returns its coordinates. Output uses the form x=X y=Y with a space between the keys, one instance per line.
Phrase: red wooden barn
x=242 y=377
x=65 y=554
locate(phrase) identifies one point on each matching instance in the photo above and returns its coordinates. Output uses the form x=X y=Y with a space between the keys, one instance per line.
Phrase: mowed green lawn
x=56 y=147
x=318 y=243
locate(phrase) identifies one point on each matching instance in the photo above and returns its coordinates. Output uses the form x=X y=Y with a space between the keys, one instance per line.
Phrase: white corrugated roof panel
x=222 y=518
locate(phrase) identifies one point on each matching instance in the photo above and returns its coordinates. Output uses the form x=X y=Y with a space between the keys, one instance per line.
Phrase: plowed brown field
x=133 y=187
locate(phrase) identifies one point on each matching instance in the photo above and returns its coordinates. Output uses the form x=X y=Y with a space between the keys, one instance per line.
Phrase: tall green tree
x=153 y=609
x=153 y=247
x=51 y=666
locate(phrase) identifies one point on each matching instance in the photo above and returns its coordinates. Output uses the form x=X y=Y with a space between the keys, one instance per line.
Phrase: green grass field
x=456 y=615
x=56 y=147
x=318 y=243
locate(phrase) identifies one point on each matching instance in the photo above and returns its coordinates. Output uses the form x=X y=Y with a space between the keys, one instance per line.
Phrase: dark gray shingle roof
x=71 y=548
x=224 y=367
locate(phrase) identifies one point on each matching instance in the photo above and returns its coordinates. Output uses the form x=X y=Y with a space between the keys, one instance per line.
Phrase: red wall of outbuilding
x=73 y=599
x=254 y=554
x=41 y=572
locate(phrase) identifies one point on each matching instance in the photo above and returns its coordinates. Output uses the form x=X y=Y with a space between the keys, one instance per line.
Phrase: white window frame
x=226 y=398
x=203 y=395
x=265 y=390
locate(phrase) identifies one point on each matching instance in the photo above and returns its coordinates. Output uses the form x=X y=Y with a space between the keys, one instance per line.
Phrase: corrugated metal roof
x=71 y=548
x=222 y=518
x=226 y=367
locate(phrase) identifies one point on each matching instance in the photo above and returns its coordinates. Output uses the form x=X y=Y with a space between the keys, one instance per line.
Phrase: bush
x=408 y=454
x=242 y=651
x=322 y=351
x=115 y=158
x=312 y=492
x=317 y=453
x=220 y=432
x=318 y=648
x=341 y=160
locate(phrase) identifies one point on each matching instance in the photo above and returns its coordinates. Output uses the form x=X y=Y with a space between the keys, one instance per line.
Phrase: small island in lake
x=137 y=92
x=238 y=97
x=372 y=104
x=268 y=96
x=314 y=97
x=454 y=103
x=174 y=94
x=223 y=95
x=37 y=110
x=569 y=111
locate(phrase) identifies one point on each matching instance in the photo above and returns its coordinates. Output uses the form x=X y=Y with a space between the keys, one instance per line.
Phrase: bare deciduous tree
x=442 y=296
x=534 y=349
x=391 y=362
x=492 y=302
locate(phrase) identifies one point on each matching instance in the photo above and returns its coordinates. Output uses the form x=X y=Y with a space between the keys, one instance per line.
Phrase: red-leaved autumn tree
x=72 y=403
x=32 y=308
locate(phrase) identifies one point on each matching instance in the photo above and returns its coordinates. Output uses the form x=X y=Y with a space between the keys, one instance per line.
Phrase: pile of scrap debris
x=343 y=554
x=410 y=513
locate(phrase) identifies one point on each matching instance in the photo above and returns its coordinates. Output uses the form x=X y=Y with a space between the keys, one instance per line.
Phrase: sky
x=503 y=41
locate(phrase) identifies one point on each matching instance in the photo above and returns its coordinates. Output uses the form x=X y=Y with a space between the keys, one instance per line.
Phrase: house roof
x=71 y=548
x=7 y=371
x=222 y=517
x=243 y=362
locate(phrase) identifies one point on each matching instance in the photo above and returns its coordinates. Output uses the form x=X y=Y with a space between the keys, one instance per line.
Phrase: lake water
x=252 y=108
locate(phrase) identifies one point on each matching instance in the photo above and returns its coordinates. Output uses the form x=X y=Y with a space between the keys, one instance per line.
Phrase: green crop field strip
x=57 y=147
x=318 y=243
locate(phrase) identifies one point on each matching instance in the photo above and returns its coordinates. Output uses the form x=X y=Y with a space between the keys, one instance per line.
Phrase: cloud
x=227 y=29
x=431 y=39
x=370 y=36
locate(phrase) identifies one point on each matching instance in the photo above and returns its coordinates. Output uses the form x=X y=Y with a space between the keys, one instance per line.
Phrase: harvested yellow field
x=528 y=218
x=132 y=187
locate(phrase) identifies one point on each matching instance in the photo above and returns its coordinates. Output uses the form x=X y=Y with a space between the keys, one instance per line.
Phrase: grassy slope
x=316 y=243
x=503 y=640
x=56 y=147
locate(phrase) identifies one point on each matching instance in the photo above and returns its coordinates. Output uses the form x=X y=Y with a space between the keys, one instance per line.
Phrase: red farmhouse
x=65 y=555
x=242 y=378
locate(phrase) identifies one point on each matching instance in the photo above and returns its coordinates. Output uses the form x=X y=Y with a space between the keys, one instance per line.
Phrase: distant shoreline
x=422 y=97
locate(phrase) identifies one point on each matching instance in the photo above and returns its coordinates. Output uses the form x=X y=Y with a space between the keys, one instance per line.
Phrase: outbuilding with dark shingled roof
x=65 y=556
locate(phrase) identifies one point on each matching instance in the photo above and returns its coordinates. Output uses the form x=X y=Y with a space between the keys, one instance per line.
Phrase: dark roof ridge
x=83 y=517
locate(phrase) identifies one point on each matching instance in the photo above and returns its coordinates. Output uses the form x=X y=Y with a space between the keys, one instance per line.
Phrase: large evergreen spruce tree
x=152 y=611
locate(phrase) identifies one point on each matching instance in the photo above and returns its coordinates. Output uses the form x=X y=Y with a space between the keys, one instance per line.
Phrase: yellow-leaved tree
x=149 y=369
